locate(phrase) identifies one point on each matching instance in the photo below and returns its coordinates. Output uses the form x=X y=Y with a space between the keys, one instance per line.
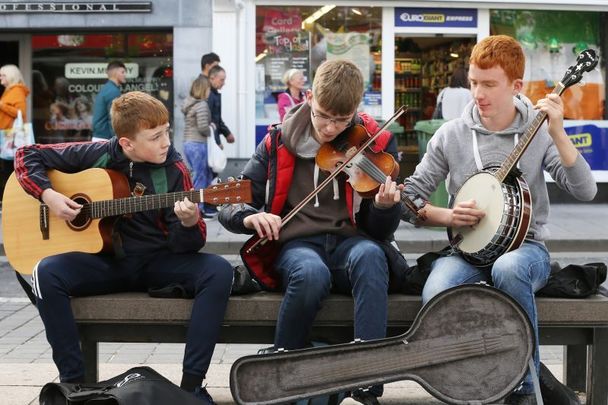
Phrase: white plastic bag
x=21 y=134
x=216 y=158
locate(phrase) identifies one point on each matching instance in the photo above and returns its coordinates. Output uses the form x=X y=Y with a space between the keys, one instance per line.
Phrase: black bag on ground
x=574 y=280
x=138 y=385
x=553 y=391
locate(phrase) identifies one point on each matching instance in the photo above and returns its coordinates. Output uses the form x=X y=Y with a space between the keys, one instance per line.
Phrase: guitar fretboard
x=509 y=163
x=129 y=205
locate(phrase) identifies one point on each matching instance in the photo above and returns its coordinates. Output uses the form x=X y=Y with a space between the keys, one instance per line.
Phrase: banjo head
x=486 y=190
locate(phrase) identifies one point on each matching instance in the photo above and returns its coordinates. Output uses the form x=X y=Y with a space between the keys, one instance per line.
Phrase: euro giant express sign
x=435 y=17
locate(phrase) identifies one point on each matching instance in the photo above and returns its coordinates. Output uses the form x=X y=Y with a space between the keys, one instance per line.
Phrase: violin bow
x=332 y=175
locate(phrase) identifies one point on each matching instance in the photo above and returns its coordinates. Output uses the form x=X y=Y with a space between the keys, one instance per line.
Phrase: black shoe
x=202 y=394
x=364 y=397
x=521 y=399
x=553 y=391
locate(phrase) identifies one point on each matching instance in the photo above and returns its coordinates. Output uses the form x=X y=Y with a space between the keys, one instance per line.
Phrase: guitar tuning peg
x=230 y=179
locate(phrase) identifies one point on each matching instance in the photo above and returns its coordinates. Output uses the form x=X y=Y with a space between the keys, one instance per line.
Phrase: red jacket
x=271 y=171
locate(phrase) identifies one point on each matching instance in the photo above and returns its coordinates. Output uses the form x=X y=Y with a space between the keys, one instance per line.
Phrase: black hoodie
x=139 y=233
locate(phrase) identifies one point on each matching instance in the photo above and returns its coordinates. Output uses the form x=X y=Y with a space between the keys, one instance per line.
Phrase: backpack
x=574 y=280
x=138 y=385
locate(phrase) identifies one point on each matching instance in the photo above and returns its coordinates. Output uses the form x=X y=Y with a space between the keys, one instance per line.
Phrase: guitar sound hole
x=83 y=219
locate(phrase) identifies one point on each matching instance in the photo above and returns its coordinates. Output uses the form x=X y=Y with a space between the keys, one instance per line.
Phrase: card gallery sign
x=68 y=7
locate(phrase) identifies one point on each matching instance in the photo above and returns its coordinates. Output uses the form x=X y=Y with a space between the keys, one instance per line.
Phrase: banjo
x=503 y=193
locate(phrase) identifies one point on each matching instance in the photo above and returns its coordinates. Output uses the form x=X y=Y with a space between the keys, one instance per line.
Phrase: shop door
x=424 y=65
x=9 y=54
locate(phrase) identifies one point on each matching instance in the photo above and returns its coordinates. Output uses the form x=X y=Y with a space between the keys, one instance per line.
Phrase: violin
x=367 y=170
x=339 y=163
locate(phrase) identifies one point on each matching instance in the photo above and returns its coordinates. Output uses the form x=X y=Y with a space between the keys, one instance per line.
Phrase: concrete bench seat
x=580 y=325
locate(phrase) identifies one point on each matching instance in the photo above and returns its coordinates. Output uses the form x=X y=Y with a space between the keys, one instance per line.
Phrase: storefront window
x=551 y=42
x=303 y=37
x=68 y=71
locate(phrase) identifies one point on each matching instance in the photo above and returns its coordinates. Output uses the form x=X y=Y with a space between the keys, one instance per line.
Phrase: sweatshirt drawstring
x=316 y=183
x=336 y=189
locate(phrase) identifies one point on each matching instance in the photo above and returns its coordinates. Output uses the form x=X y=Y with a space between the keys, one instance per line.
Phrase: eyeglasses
x=324 y=120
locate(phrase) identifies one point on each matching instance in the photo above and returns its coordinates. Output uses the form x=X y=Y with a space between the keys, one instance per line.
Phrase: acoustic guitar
x=503 y=193
x=32 y=233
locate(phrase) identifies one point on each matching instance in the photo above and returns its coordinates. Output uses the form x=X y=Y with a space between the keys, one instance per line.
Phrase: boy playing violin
x=152 y=249
x=321 y=249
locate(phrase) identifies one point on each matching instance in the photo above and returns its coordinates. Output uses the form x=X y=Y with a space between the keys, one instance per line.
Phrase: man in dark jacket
x=217 y=78
x=117 y=76
x=322 y=248
x=208 y=61
x=152 y=249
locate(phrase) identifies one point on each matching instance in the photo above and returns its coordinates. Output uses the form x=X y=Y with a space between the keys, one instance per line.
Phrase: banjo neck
x=509 y=163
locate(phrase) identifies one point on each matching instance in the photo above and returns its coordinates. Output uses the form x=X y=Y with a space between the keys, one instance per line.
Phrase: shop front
x=68 y=70
x=408 y=53
x=63 y=48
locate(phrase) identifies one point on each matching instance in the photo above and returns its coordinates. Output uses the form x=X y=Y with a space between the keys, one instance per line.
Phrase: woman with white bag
x=11 y=103
x=198 y=130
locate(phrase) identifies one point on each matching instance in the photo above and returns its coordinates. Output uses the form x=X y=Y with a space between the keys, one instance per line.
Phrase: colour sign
x=435 y=17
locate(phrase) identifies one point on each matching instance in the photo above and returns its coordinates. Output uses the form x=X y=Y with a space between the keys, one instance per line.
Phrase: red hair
x=500 y=50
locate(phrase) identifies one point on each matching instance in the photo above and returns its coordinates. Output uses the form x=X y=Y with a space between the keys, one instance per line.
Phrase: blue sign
x=372 y=98
x=592 y=142
x=435 y=17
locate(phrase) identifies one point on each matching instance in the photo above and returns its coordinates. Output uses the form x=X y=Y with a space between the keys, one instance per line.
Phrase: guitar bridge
x=44 y=221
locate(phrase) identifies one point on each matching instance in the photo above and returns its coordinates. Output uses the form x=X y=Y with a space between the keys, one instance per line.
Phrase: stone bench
x=580 y=325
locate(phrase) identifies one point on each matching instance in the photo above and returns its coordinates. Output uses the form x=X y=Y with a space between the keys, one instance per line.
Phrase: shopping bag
x=216 y=158
x=21 y=134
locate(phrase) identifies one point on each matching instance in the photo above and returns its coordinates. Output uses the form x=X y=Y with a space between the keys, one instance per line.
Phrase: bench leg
x=597 y=394
x=89 y=352
x=575 y=367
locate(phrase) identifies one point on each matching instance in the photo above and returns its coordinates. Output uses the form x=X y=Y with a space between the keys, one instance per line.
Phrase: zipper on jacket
x=130 y=170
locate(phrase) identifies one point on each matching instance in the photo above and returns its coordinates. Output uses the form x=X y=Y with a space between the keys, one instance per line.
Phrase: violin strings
x=372 y=170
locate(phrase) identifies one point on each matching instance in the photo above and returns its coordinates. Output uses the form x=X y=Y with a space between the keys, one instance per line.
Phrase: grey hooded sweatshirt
x=451 y=150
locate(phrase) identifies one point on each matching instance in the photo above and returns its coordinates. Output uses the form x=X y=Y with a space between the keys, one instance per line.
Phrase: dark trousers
x=57 y=278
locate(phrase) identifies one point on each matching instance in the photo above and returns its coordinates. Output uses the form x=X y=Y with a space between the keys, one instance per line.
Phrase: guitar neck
x=129 y=205
x=511 y=161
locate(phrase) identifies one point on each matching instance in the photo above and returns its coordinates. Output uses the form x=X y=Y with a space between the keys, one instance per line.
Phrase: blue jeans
x=519 y=273
x=196 y=156
x=311 y=267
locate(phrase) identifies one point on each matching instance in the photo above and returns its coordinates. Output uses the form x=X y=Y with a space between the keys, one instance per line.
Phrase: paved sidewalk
x=579 y=233
x=573 y=228
x=26 y=364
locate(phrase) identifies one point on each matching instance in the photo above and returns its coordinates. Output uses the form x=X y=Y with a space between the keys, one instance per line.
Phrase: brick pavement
x=579 y=234
x=26 y=363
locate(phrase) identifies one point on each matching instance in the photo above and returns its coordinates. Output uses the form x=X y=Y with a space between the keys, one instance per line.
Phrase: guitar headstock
x=586 y=61
x=230 y=192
